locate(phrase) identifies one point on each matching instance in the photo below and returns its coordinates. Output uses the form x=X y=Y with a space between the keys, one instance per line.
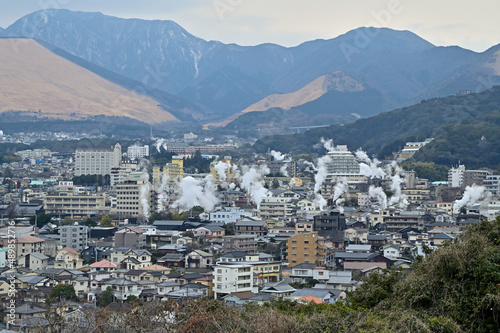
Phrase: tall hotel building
x=97 y=161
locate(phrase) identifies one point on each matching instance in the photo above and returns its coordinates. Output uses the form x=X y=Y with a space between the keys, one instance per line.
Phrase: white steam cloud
x=398 y=199
x=145 y=189
x=252 y=182
x=369 y=168
x=196 y=192
x=378 y=194
x=277 y=155
x=340 y=188
x=284 y=170
x=472 y=195
x=221 y=168
x=319 y=178
x=161 y=143
x=328 y=144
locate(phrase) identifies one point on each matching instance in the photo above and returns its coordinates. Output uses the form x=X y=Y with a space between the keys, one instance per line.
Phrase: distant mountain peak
x=371 y=37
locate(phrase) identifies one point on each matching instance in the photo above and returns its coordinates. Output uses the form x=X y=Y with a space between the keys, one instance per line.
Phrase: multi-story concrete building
x=330 y=224
x=477 y=177
x=97 y=161
x=135 y=197
x=287 y=168
x=230 y=175
x=74 y=237
x=171 y=173
x=342 y=164
x=243 y=243
x=232 y=278
x=281 y=206
x=137 y=152
x=76 y=205
x=248 y=226
x=119 y=174
x=25 y=245
x=228 y=215
x=492 y=184
x=456 y=176
x=131 y=237
x=402 y=220
x=306 y=247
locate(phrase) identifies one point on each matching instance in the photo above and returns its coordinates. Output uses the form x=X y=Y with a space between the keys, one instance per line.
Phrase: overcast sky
x=469 y=24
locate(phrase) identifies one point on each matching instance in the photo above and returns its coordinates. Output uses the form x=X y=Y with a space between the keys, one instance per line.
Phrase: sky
x=470 y=24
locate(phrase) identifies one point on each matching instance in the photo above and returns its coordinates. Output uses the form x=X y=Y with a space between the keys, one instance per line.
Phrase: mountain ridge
x=223 y=79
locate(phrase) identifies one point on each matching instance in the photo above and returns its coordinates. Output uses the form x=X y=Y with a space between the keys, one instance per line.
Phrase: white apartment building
x=490 y=209
x=97 y=161
x=228 y=215
x=456 y=176
x=120 y=173
x=231 y=278
x=280 y=208
x=492 y=184
x=342 y=164
x=137 y=152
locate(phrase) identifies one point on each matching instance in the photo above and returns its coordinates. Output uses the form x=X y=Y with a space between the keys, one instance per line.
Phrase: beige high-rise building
x=135 y=197
x=97 y=161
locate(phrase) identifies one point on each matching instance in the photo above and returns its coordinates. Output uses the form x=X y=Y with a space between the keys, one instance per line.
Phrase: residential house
x=341 y=280
x=209 y=231
x=33 y=261
x=392 y=251
x=103 y=266
x=238 y=299
x=68 y=258
x=303 y=226
x=440 y=239
x=24 y=313
x=279 y=289
x=199 y=259
x=324 y=295
x=247 y=226
x=81 y=285
x=122 y=288
x=136 y=259
x=303 y=272
x=343 y=259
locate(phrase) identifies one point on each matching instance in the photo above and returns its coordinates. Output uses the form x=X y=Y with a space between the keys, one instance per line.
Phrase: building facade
x=74 y=237
x=97 y=161
x=137 y=152
x=306 y=247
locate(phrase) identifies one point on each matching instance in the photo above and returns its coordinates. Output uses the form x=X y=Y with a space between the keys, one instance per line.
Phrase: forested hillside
x=457 y=123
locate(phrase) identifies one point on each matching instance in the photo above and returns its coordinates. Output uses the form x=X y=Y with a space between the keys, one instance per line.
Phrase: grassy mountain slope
x=44 y=85
x=392 y=129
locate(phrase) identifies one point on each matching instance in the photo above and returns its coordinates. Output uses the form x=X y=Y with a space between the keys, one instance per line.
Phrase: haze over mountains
x=388 y=68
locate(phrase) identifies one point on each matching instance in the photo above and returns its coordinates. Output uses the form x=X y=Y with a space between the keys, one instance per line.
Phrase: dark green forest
x=465 y=128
